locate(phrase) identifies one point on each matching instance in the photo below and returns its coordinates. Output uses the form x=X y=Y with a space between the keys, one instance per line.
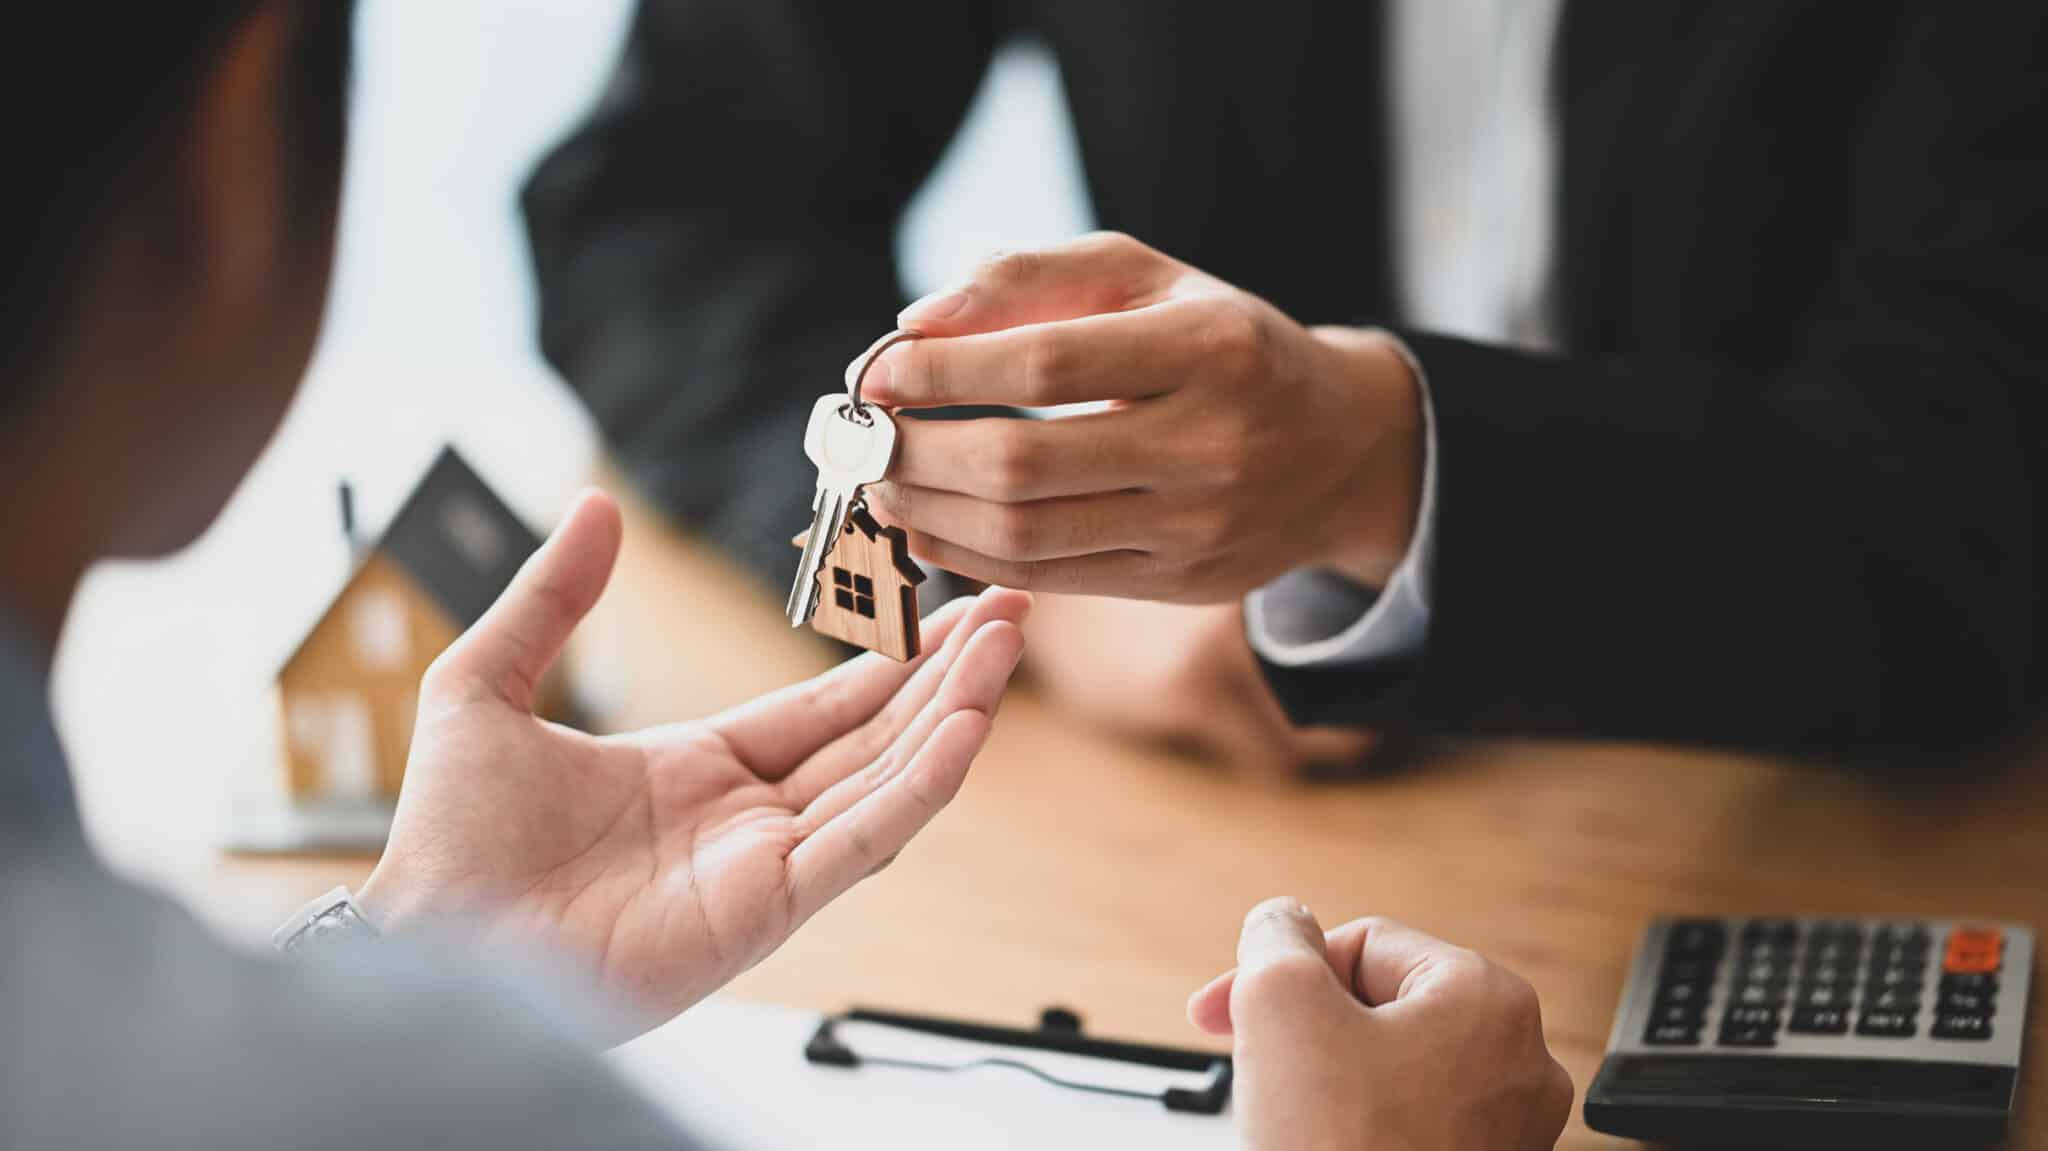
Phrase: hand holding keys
x=850 y=443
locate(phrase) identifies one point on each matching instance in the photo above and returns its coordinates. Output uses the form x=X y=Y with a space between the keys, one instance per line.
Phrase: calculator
x=1817 y=1033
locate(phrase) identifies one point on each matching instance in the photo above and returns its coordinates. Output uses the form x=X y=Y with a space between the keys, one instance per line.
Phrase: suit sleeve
x=716 y=242
x=1839 y=553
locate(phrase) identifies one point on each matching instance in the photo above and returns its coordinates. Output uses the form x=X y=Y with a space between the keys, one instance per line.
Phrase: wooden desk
x=1109 y=878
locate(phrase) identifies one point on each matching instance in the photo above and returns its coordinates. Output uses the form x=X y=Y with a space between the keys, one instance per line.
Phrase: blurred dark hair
x=90 y=95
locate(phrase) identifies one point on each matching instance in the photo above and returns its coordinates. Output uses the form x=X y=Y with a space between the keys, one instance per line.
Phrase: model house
x=348 y=694
x=868 y=588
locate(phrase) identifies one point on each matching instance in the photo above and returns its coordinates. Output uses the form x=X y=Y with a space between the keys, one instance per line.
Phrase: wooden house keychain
x=856 y=580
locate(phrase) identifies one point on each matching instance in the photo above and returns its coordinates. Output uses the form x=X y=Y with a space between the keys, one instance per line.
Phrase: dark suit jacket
x=1784 y=486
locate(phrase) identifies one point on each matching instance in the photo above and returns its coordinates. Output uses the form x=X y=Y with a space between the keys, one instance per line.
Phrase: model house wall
x=349 y=694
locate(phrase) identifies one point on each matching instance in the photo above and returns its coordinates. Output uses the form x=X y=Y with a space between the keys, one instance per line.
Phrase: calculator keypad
x=1692 y=962
x=1821 y=979
x=1967 y=996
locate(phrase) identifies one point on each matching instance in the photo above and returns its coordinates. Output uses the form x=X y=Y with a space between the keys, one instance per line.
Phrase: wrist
x=1375 y=513
x=381 y=900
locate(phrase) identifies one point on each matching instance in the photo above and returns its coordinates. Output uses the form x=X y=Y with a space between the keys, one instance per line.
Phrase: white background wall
x=163 y=676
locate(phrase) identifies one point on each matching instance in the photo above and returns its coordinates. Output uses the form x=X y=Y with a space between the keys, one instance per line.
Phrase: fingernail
x=1280 y=905
x=939 y=305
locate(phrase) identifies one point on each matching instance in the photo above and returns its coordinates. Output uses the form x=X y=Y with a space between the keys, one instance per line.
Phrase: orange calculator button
x=1974 y=950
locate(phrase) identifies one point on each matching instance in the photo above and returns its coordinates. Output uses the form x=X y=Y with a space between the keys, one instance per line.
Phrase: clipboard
x=1182 y=1080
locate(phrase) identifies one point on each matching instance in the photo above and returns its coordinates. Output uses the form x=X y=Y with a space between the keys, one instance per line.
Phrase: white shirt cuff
x=1311 y=617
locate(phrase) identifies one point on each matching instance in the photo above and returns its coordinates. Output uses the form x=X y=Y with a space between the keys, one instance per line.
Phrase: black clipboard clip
x=1058 y=1030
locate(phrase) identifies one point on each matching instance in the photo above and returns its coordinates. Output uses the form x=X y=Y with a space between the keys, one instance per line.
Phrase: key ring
x=858 y=370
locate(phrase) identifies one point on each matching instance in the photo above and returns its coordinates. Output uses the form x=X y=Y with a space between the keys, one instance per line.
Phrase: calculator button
x=1765 y=971
x=1898 y=975
x=1741 y=1016
x=1748 y=1036
x=1888 y=1024
x=1671 y=1035
x=1679 y=1015
x=1905 y=936
x=1838 y=976
x=1906 y=999
x=1824 y=995
x=1841 y=934
x=1948 y=1026
x=1820 y=1021
x=1757 y=994
x=1683 y=970
x=1982 y=981
x=1965 y=1002
x=1771 y=932
x=1698 y=937
x=1976 y=939
x=1681 y=992
x=1770 y=953
x=1832 y=955
x=1970 y=962
x=1883 y=954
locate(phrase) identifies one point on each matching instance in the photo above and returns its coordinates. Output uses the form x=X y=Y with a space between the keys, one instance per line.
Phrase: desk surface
x=1111 y=878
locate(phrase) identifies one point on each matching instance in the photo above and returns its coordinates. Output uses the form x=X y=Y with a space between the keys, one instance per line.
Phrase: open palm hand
x=669 y=860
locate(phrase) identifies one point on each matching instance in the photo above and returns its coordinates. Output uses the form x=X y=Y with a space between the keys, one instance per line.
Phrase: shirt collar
x=36 y=805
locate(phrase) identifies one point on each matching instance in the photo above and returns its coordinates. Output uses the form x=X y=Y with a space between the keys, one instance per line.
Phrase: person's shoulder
x=126 y=1023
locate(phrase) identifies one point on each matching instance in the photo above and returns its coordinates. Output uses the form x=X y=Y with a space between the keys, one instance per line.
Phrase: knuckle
x=1371 y=925
x=1229 y=458
x=895 y=500
x=1233 y=333
x=1049 y=363
x=1015 y=461
x=919 y=373
x=1468 y=978
x=1013 y=533
x=1470 y=970
x=1560 y=1088
x=1009 y=267
x=1111 y=241
x=1517 y=1003
x=1562 y=1092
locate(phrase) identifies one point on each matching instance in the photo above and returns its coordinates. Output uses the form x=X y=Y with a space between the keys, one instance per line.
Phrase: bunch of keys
x=856 y=580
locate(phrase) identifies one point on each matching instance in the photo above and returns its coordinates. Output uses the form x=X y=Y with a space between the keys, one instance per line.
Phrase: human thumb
x=1283 y=969
x=507 y=651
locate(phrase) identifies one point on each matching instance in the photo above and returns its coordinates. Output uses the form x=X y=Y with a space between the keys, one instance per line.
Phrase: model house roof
x=899 y=550
x=457 y=539
x=454 y=539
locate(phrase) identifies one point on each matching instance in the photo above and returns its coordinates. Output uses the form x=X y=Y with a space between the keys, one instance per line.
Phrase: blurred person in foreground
x=1708 y=406
x=166 y=242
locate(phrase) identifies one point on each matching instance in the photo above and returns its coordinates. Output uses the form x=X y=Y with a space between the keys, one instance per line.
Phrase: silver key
x=851 y=444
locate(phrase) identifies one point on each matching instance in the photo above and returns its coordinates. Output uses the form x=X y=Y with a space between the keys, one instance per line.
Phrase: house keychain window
x=855 y=593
